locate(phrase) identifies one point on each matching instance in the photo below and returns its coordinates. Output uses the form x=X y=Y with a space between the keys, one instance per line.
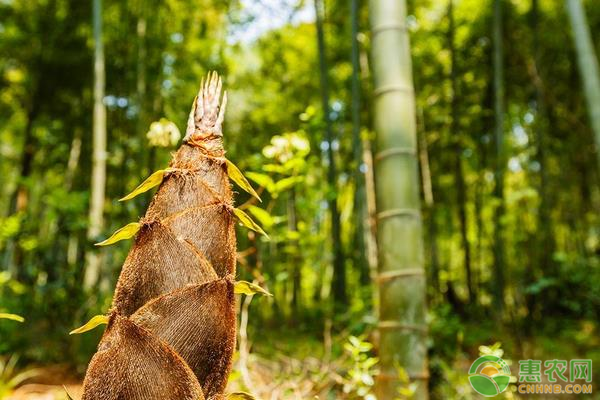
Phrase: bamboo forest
x=299 y=199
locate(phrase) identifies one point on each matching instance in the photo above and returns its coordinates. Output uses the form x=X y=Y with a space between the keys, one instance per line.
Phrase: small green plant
x=9 y=377
x=406 y=389
x=359 y=380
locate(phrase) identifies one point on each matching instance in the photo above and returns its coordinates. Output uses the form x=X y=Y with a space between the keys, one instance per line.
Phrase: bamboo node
x=392 y=88
x=410 y=151
x=389 y=275
x=399 y=212
x=387 y=27
x=401 y=326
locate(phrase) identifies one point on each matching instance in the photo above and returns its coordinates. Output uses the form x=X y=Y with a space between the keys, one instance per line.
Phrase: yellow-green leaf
x=125 y=232
x=236 y=175
x=153 y=180
x=248 y=222
x=263 y=180
x=263 y=216
x=12 y=317
x=249 y=288
x=91 y=324
x=67 y=393
x=240 y=396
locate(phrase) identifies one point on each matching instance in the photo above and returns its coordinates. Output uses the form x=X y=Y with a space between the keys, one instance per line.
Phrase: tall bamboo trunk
x=461 y=196
x=401 y=278
x=425 y=169
x=338 y=283
x=295 y=260
x=588 y=64
x=359 y=177
x=499 y=262
x=98 y=185
x=14 y=257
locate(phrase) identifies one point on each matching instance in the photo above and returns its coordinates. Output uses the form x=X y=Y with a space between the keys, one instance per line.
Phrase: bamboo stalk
x=402 y=309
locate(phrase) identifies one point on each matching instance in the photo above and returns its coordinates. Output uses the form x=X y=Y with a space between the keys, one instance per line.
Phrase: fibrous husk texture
x=171 y=329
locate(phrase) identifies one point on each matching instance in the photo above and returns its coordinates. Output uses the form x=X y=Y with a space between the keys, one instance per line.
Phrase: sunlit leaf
x=262 y=215
x=236 y=175
x=240 y=396
x=125 y=232
x=249 y=288
x=153 y=180
x=69 y=397
x=279 y=169
x=286 y=183
x=263 y=180
x=12 y=317
x=91 y=324
x=248 y=222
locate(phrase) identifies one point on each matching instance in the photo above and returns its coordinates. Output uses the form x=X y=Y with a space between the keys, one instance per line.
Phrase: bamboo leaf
x=125 y=232
x=236 y=175
x=263 y=216
x=91 y=324
x=249 y=288
x=286 y=183
x=263 y=180
x=69 y=397
x=12 y=317
x=240 y=396
x=153 y=180
x=248 y=222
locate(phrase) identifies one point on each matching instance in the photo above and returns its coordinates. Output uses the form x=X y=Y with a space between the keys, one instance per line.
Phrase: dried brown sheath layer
x=132 y=363
x=172 y=329
x=205 y=314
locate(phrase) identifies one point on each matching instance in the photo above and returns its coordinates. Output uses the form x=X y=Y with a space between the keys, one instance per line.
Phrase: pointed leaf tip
x=91 y=324
x=153 y=180
x=249 y=288
x=236 y=175
x=249 y=222
x=12 y=317
x=240 y=396
x=123 y=233
x=69 y=397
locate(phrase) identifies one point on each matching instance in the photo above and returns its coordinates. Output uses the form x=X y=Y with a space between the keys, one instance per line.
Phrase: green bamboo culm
x=588 y=65
x=401 y=278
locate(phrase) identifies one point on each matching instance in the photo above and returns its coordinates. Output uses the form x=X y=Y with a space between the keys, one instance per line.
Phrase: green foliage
x=96 y=320
x=249 y=288
x=126 y=232
x=152 y=181
x=248 y=222
x=361 y=377
x=12 y=317
x=10 y=377
x=275 y=134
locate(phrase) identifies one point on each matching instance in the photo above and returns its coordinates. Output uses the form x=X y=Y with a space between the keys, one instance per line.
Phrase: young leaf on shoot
x=123 y=233
x=249 y=288
x=236 y=175
x=240 y=396
x=153 y=180
x=91 y=324
x=12 y=317
x=248 y=222
x=69 y=397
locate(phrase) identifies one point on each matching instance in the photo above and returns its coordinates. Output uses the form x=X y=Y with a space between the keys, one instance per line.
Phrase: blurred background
x=509 y=178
